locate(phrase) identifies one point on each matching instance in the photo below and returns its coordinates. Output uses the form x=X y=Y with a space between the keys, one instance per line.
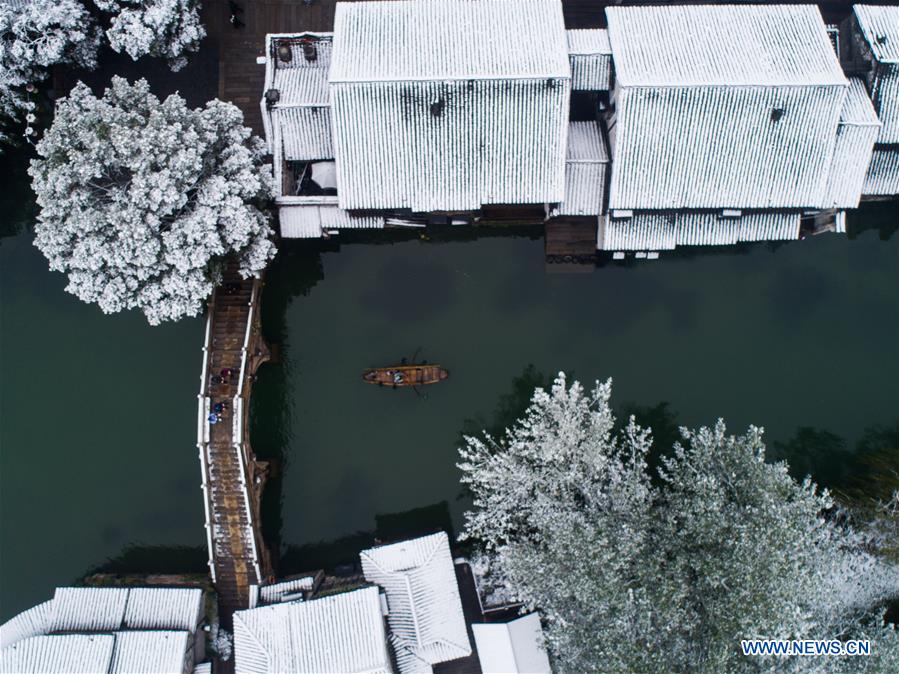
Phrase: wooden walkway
x=232 y=477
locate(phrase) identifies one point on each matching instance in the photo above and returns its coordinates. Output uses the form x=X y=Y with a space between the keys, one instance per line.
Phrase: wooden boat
x=396 y=376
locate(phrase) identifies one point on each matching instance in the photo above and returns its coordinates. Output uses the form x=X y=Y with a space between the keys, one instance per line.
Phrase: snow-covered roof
x=724 y=45
x=857 y=109
x=586 y=171
x=276 y=592
x=164 y=608
x=425 y=611
x=298 y=125
x=588 y=41
x=107 y=609
x=339 y=633
x=882 y=178
x=585 y=143
x=156 y=652
x=856 y=135
x=102 y=609
x=304 y=79
x=308 y=217
x=159 y=652
x=512 y=647
x=723 y=107
x=441 y=105
x=88 y=609
x=724 y=147
x=880 y=28
x=440 y=40
x=30 y=623
x=59 y=654
x=664 y=231
x=162 y=619
x=590 y=56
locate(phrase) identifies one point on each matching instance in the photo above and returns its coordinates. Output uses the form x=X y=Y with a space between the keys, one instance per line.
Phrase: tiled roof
x=154 y=652
x=882 y=178
x=724 y=147
x=59 y=654
x=339 y=633
x=88 y=609
x=443 y=40
x=880 y=27
x=298 y=125
x=130 y=630
x=308 y=217
x=586 y=171
x=441 y=105
x=590 y=55
x=856 y=135
x=665 y=231
x=425 y=611
x=724 y=45
x=33 y=622
x=723 y=107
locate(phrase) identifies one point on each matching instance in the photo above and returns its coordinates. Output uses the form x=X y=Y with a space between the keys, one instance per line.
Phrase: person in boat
x=397 y=377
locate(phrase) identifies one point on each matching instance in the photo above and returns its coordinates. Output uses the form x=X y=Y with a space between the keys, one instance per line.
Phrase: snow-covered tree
x=36 y=35
x=164 y=28
x=141 y=200
x=636 y=576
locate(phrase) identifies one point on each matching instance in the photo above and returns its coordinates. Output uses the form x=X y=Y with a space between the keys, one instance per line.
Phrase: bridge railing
x=203 y=405
x=237 y=430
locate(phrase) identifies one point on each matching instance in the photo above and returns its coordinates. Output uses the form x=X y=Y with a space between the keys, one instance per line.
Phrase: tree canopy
x=164 y=28
x=632 y=574
x=38 y=34
x=141 y=200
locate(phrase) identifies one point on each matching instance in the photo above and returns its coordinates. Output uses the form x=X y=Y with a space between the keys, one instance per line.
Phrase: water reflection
x=296 y=270
x=18 y=209
x=341 y=555
x=151 y=559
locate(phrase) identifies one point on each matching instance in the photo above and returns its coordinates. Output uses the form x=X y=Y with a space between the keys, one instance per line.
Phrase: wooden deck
x=570 y=244
x=232 y=478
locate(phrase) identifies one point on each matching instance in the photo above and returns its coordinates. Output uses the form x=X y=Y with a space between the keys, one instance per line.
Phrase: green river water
x=98 y=466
